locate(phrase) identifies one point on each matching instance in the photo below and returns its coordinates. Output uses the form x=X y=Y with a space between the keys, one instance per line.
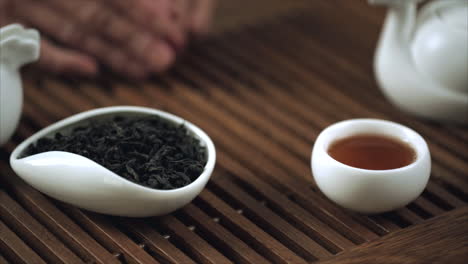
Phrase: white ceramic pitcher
x=421 y=61
x=18 y=46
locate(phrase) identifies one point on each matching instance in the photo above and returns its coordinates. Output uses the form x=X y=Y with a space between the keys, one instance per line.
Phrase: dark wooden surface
x=263 y=87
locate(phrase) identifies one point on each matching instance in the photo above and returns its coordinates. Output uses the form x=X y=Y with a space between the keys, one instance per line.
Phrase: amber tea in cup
x=372 y=152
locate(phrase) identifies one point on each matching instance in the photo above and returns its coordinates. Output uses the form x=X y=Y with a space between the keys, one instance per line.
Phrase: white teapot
x=18 y=46
x=421 y=61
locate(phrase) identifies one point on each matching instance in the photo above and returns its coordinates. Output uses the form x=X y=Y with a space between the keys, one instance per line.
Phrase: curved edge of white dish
x=91 y=186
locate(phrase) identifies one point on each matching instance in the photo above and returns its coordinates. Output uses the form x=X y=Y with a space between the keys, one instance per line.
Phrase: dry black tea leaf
x=146 y=150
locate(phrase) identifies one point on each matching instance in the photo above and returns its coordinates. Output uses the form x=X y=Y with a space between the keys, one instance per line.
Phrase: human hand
x=134 y=38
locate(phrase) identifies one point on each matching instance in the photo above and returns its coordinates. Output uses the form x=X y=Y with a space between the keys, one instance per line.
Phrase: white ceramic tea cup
x=370 y=191
x=84 y=183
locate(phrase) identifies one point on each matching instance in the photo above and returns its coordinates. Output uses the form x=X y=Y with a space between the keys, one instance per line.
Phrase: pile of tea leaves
x=146 y=150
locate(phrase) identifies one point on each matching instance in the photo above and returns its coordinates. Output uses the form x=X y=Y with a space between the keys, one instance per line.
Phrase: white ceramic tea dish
x=421 y=60
x=84 y=183
x=370 y=191
x=18 y=46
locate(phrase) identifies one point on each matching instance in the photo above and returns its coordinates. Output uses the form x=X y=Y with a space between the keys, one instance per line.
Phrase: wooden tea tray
x=272 y=77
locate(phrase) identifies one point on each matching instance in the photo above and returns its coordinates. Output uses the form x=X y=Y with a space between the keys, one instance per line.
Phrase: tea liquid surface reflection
x=372 y=152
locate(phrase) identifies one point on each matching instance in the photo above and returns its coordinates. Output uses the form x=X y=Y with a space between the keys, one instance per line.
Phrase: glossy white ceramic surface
x=18 y=46
x=370 y=191
x=82 y=182
x=421 y=61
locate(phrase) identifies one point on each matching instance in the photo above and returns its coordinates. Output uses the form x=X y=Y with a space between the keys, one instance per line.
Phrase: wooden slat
x=15 y=249
x=282 y=230
x=226 y=241
x=429 y=242
x=198 y=248
x=270 y=247
x=109 y=236
x=36 y=235
x=155 y=242
x=444 y=195
x=429 y=207
x=58 y=223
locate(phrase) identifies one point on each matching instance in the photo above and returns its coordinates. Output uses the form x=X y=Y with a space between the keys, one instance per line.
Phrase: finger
x=155 y=52
x=136 y=71
x=140 y=45
x=154 y=16
x=151 y=13
x=114 y=58
x=202 y=13
x=180 y=11
x=68 y=31
x=49 y=21
x=61 y=60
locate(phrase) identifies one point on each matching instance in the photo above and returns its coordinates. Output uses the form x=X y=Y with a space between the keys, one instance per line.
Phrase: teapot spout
x=399 y=23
